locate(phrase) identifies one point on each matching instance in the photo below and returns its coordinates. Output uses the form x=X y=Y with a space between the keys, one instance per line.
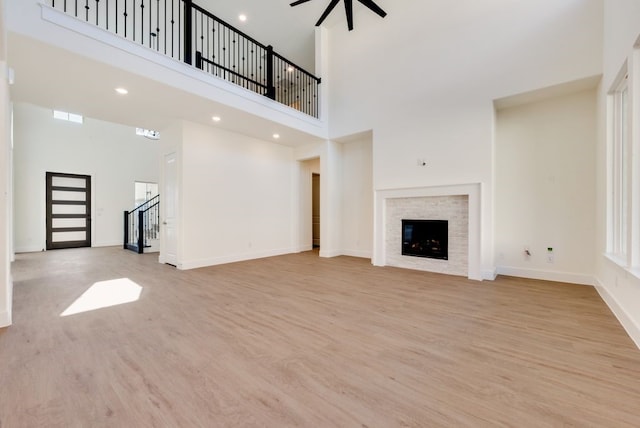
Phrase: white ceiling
x=80 y=85
x=290 y=30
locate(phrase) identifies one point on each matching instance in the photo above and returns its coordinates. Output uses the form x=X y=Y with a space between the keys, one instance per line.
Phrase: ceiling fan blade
x=327 y=11
x=295 y=3
x=348 y=6
x=374 y=7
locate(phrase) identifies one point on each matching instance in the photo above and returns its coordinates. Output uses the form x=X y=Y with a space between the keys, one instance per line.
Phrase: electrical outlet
x=551 y=258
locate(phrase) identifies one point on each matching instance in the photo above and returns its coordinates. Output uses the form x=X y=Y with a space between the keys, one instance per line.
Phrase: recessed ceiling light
x=216 y=118
x=242 y=17
x=276 y=136
x=122 y=91
x=290 y=69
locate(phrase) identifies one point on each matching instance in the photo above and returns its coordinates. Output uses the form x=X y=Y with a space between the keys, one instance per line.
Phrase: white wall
x=357 y=198
x=619 y=287
x=427 y=91
x=545 y=188
x=111 y=154
x=6 y=287
x=235 y=196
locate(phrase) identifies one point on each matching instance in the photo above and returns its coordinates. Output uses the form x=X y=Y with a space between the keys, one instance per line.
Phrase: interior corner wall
x=618 y=287
x=357 y=198
x=545 y=185
x=111 y=154
x=235 y=197
x=6 y=286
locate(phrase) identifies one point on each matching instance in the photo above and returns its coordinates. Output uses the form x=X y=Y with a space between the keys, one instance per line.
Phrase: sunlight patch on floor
x=104 y=294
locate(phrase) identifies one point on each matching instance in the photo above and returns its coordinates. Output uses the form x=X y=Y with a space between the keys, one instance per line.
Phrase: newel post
x=271 y=89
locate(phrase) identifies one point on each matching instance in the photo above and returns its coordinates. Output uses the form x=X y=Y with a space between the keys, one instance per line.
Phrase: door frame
x=50 y=202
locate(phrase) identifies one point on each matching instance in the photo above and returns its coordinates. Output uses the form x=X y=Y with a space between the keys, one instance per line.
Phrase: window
x=620 y=173
x=63 y=115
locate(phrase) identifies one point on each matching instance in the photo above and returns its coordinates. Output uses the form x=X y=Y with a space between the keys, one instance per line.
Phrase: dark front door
x=68 y=210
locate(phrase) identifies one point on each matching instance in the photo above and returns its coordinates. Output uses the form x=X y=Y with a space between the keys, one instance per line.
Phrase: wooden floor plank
x=298 y=340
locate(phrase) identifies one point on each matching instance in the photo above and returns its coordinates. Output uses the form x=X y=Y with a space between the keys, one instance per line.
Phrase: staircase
x=187 y=32
x=142 y=227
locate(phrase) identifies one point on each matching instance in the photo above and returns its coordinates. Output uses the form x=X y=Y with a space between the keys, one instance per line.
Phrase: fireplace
x=425 y=238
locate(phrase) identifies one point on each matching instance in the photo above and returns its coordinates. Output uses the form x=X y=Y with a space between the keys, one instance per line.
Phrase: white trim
x=107 y=244
x=5 y=319
x=472 y=190
x=330 y=253
x=489 y=274
x=28 y=249
x=635 y=271
x=194 y=264
x=363 y=254
x=627 y=322
x=547 y=275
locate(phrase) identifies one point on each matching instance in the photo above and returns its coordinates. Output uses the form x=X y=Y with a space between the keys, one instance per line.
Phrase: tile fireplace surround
x=459 y=204
x=453 y=208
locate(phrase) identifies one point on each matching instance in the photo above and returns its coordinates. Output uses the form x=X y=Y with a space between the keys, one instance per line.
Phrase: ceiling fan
x=348 y=5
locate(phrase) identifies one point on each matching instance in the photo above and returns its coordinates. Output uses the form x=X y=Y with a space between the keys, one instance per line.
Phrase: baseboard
x=630 y=326
x=330 y=253
x=304 y=248
x=107 y=244
x=5 y=319
x=28 y=249
x=489 y=274
x=572 y=278
x=194 y=264
x=5 y=313
x=363 y=254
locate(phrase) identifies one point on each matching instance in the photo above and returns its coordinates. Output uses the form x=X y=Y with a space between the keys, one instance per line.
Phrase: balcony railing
x=187 y=32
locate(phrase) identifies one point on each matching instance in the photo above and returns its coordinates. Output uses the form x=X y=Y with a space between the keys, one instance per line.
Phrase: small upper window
x=70 y=117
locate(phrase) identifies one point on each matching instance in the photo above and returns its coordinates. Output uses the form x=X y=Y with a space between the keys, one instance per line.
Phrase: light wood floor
x=303 y=341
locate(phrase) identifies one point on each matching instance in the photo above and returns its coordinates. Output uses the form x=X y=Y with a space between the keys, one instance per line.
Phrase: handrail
x=141 y=225
x=155 y=198
x=298 y=68
x=226 y=24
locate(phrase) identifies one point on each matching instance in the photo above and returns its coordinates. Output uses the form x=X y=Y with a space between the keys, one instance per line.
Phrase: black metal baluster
x=187 y=32
x=97 y=7
x=142 y=22
x=201 y=31
x=107 y=16
x=151 y=34
x=173 y=34
x=165 y=27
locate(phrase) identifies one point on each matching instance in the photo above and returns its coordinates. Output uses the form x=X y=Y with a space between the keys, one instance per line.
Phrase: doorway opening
x=315 y=209
x=144 y=192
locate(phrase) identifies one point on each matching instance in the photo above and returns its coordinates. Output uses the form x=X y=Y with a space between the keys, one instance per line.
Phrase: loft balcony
x=65 y=62
x=187 y=32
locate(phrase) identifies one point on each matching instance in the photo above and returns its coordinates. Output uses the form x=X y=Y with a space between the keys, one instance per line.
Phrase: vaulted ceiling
x=290 y=30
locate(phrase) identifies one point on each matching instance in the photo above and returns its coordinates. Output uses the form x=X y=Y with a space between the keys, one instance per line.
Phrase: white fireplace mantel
x=472 y=190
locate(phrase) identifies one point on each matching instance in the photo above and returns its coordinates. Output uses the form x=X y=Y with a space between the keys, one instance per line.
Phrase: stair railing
x=141 y=225
x=187 y=32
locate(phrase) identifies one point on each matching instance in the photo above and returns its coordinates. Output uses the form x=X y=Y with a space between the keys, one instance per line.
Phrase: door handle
x=164 y=222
